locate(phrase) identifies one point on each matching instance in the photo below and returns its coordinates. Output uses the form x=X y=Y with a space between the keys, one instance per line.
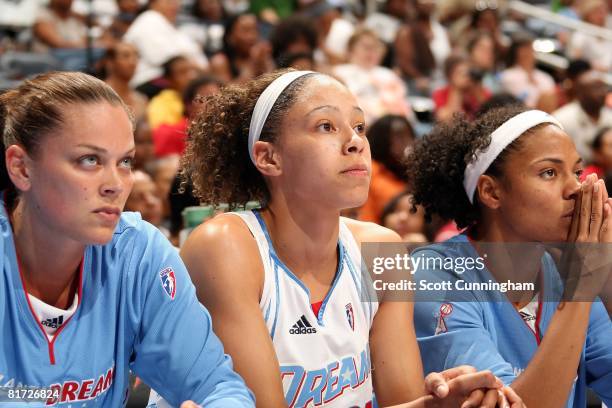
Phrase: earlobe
x=17 y=167
x=488 y=192
x=267 y=159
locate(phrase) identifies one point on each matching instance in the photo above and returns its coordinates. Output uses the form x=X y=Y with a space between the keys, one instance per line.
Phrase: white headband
x=500 y=139
x=265 y=102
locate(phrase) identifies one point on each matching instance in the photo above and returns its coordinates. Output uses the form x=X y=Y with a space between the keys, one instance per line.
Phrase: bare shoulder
x=223 y=250
x=224 y=231
x=370 y=232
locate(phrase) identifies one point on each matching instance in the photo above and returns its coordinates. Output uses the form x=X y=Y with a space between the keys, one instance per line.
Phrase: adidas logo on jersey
x=54 y=323
x=302 y=326
x=527 y=317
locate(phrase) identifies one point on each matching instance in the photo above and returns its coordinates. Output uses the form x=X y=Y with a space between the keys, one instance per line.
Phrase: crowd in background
x=410 y=63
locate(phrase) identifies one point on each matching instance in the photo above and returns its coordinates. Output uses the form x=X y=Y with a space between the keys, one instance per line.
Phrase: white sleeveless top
x=324 y=359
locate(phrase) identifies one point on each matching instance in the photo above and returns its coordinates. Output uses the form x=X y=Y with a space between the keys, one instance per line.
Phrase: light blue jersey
x=137 y=311
x=492 y=335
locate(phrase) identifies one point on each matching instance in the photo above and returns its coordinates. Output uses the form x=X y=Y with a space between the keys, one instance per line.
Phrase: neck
x=593 y=113
x=508 y=256
x=49 y=267
x=120 y=86
x=492 y=229
x=304 y=236
x=526 y=66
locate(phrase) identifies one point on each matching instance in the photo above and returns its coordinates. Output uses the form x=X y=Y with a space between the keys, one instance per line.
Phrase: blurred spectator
x=585 y=116
x=178 y=201
x=568 y=86
x=205 y=25
x=157 y=39
x=244 y=56
x=420 y=49
x=378 y=89
x=169 y=139
x=334 y=31
x=593 y=49
x=127 y=12
x=272 y=11
x=464 y=92
x=453 y=10
x=144 y=199
x=63 y=34
x=295 y=35
x=498 y=100
x=119 y=65
x=388 y=21
x=167 y=106
x=390 y=137
x=481 y=52
x=602 y=155
x=485 y=17
x=397 y=216
x=300 y=60
x=432 y=31
x=233 y=7
x=532 y=86
x=164 y=171
x=414 y=60
x=144 y=154
x=567 y=8
x=57 y=26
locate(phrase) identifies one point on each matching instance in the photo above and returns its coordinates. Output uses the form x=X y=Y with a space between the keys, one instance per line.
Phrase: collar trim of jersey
x=51 y=342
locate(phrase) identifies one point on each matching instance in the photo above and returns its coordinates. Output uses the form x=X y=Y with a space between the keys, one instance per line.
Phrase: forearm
x=559 y=353
x=47 y=34
x=422 y=402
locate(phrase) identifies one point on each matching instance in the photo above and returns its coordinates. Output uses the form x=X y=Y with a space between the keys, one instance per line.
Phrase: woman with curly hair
x=285 y=278
x=513 y=177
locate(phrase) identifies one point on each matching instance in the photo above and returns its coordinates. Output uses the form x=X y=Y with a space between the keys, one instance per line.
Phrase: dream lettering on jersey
x=325 y=384
x=76 y=391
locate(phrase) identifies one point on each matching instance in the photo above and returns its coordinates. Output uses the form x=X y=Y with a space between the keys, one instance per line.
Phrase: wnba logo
x=445 y=310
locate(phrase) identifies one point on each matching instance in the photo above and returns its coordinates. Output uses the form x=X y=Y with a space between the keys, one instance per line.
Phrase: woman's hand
x=512 y=398
x=464 y=387
x=588 y=258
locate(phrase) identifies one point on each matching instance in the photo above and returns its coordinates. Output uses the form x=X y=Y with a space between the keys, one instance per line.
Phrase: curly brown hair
x=216 y=159
x=437 y=164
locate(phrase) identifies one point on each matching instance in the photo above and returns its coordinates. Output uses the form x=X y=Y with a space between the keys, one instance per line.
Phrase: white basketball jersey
x=325 y=358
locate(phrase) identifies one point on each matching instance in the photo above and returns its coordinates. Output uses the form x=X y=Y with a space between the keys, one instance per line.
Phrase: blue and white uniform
x=137 y=310
x=324 y=358
x=493 y=335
